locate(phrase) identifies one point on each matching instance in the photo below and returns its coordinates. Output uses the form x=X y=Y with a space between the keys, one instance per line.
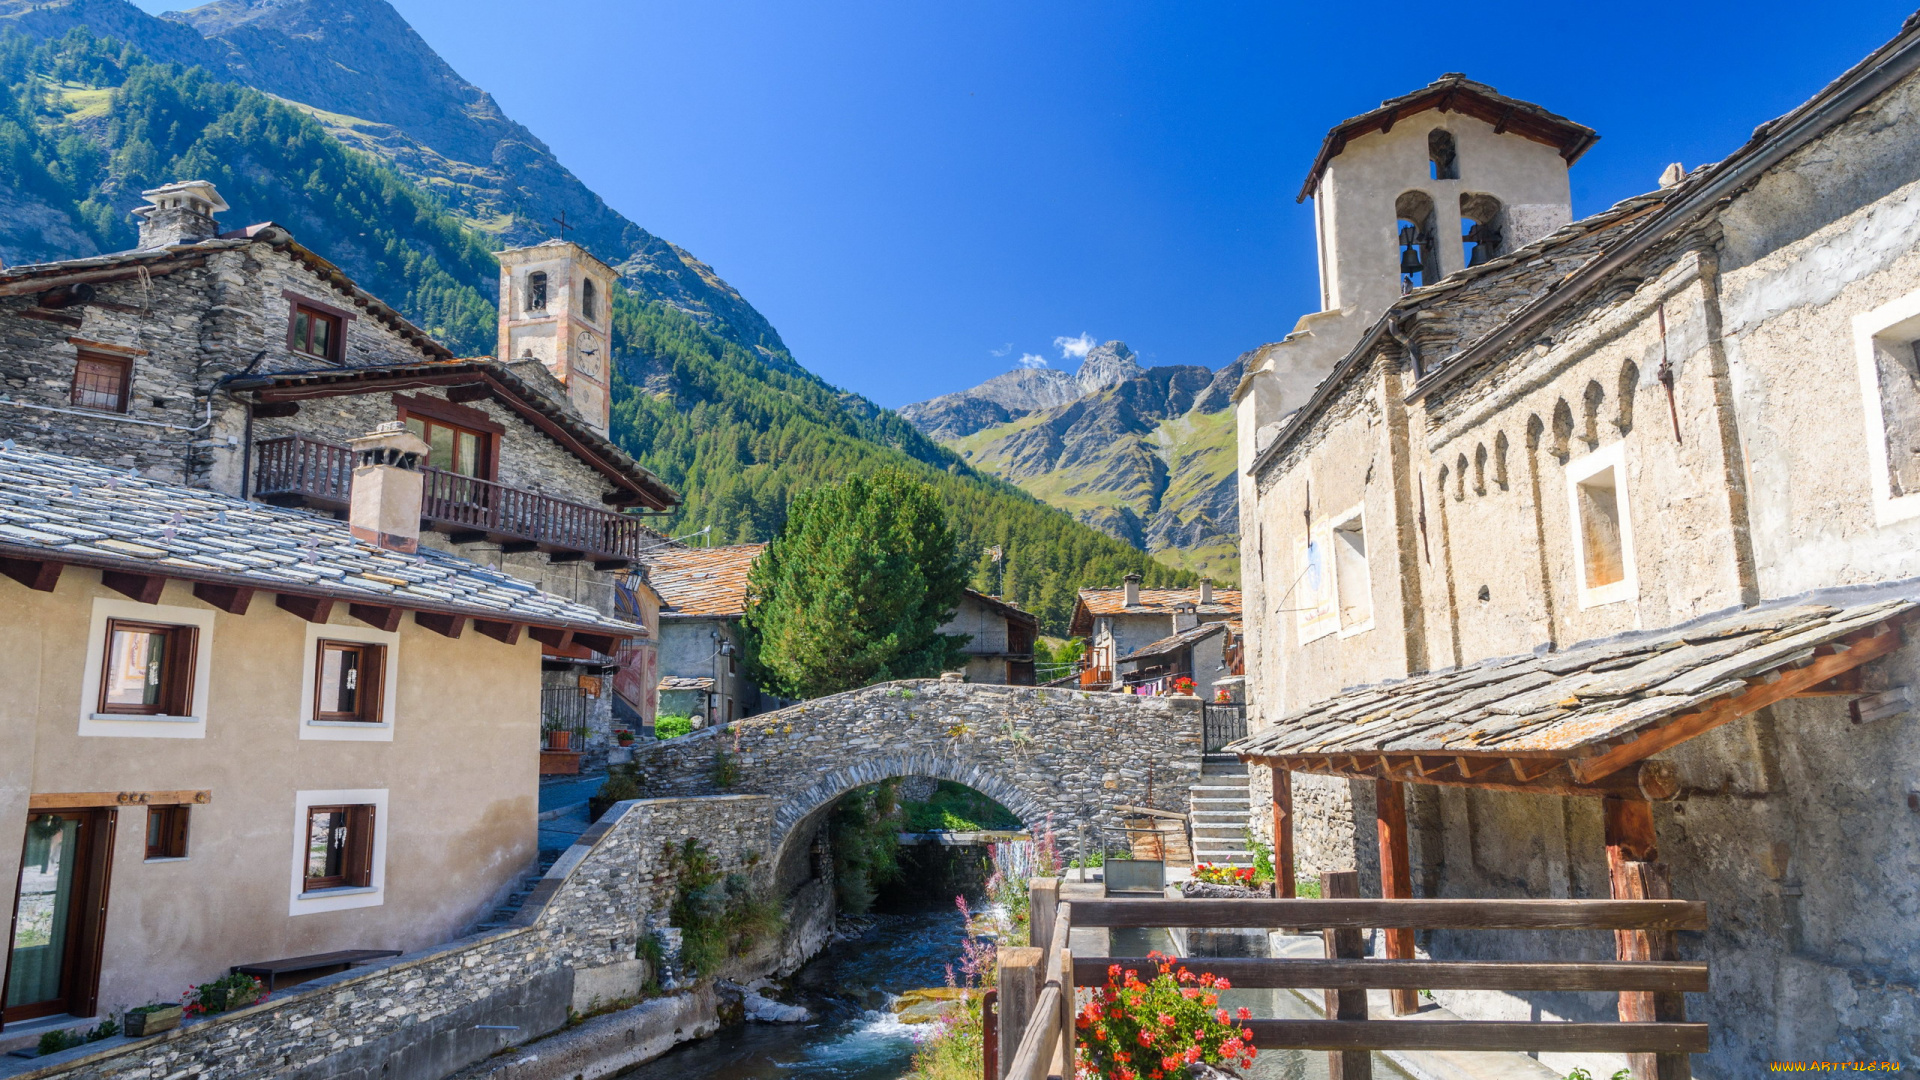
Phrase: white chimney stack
x=1206 y=590
x=179 y=213
x=1133 y=590
x=384 y=509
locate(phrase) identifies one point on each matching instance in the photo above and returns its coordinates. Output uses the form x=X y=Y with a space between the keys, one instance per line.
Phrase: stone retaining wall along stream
x=432 y=1012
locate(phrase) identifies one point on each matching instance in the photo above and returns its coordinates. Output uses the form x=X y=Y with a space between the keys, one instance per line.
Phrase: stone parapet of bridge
x=1071 y=755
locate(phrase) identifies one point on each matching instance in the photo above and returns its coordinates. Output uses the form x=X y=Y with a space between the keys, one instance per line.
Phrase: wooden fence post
x=1043 y=903
x=1069 y=1004
x=1020 y=979
x=1396 y=881
x=990 y=1034
x=1635 y=873
x=1345 y=1004
x=1283 y=871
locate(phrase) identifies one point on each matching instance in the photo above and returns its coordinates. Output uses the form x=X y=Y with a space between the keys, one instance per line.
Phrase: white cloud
x=1004 y=350
x=1032 y=360
x=1075 y=348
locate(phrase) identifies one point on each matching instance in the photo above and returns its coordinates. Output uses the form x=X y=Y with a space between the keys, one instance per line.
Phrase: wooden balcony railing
x=294 y=468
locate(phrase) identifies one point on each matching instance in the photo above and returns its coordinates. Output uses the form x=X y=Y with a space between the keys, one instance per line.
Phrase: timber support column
x=1020 y=980
x=1635 y=873
x=1345 y=1004
x=1283 y=872
x=1396 y=881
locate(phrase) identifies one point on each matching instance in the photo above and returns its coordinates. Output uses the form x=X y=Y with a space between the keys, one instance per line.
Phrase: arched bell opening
x=1414 y=235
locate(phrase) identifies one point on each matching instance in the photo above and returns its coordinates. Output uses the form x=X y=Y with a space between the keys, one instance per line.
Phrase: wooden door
x=59 y=915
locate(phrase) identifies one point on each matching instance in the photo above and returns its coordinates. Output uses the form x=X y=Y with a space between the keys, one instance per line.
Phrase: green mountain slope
x=1149 y=460
x=721 y=411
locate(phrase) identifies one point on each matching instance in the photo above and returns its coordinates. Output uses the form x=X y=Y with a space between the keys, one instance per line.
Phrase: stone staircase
x=1217 y=810
x=510 y=907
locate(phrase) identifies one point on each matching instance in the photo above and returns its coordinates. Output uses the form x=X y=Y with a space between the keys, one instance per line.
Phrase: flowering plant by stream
x=1134 y=1030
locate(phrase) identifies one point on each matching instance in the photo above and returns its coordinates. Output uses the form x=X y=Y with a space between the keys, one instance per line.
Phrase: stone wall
x=574 y=943
x=1039 y=752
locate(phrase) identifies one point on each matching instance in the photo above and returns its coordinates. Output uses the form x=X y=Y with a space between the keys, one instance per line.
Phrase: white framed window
x=339 y=850
x=1352 y=575
x=1884 y=341
x=323 y=677
x=1602 y=527
x=157 y=653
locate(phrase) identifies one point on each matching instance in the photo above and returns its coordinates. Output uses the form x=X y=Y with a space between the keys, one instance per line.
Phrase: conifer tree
x=854 y=589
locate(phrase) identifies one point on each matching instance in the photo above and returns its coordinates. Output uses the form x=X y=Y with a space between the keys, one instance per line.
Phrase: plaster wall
x=460 y=796
x=690 y=648
x=985 y=628
x=1359 y=189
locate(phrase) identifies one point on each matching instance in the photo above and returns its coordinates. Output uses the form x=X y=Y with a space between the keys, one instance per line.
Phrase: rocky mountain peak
x=1107 y=365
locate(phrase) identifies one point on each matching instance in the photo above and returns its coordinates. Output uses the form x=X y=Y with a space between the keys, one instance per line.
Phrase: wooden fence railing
x=1037 y=984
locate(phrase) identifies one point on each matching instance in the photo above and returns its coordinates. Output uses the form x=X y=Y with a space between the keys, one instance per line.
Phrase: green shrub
x=865 y=834
x=956 y=807
x=719 y=915
x=726 y=771
x=622 y=783
x=672 y=727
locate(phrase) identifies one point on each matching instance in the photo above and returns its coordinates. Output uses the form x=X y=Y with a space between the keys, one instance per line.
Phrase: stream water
x=854 y=1035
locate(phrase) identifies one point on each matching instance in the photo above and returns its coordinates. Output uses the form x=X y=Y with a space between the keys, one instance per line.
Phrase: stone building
x=1000 y=637
x=241 y=361
x=238 y=734
x=1580 y=567
x=703 y=595
x=1119 y=622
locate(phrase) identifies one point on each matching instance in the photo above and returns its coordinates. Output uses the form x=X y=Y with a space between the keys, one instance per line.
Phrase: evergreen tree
x=853 y=591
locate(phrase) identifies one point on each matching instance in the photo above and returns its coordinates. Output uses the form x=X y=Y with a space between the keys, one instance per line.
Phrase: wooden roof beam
x=1644 y=781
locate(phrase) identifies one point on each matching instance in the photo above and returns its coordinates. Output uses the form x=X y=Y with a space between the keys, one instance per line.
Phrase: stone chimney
x=1185 y=617
x=1133 y=590
x=384 y=509
x=179 y=213
x=1206 y=590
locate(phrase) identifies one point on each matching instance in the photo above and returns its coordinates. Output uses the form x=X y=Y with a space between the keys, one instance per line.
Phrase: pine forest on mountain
x=705 y=394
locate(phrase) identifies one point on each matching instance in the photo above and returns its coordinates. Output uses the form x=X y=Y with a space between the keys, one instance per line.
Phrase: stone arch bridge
x=1038 y=751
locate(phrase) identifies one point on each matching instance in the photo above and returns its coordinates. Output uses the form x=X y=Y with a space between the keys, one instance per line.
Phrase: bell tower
x=556 y=306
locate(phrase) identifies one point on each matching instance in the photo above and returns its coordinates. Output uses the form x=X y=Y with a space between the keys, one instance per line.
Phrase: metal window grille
x=100 y=382
x=563 y=717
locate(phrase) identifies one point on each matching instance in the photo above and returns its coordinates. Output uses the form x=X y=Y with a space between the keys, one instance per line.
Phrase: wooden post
x=1345 y=1004
x=1043 y=896
x=1068 y=1006
x=1635 y=873
x=990 y=1034
x=1283 y=871
x=1020 y=979
x=1396 y=880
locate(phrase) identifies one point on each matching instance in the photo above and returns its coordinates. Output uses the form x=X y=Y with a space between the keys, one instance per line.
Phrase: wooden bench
x=311 y=967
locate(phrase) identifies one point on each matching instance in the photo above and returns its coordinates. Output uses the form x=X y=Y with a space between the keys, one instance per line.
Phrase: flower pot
x=559 y=740
x=228 y=998
x=154 y=1021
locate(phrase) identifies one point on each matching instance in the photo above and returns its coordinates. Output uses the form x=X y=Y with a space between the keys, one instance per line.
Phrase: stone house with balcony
x=1117 y=623
x=241 y=362
x=1585 y=568
x=244 y=735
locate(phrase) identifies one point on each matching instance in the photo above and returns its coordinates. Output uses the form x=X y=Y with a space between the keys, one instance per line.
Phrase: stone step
x=1237 y=805
x=1219 y=828
x=1207 y=787
x=1218 y=817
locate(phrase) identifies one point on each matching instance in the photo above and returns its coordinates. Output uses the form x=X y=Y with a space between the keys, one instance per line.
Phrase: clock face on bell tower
x=589 y=354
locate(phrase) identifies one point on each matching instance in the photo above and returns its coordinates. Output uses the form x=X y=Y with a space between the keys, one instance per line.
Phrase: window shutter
x=359 y=855
x=373 y=692
x=185 y=644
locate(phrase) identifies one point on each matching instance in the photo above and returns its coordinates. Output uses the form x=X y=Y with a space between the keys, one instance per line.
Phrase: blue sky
x=919 y=193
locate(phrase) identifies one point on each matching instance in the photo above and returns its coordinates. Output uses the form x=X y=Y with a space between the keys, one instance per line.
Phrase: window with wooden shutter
x=347 y=682
x=102 y=382
x=339 y=847
x=167 y=832
x=148 y=669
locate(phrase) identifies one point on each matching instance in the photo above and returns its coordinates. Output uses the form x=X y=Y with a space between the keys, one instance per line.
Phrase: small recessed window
x=167 y=832
x=149 y=669
x=315 y=333
x=339 y=847
x=1353 y=579
x=346 y=681
x=101 y=382
x=1602 y=527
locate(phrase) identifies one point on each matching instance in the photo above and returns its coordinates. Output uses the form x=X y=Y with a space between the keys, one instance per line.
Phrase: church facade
x=1592 y=542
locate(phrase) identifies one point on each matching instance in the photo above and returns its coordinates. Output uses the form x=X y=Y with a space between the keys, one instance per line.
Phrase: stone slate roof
x=1571 y=703
x=703 y=582
x=1175 y=642
x=62 y=509
x=1093 y=603
x=682 y=682
x=1454 y=92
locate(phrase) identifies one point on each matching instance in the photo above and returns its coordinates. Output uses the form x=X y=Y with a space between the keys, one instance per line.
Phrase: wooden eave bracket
x=314 y=609
x=40 y=575
x=442 y=624
x=379 y=616
x=145 y=588
x=232 y=599
x=507 y=633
